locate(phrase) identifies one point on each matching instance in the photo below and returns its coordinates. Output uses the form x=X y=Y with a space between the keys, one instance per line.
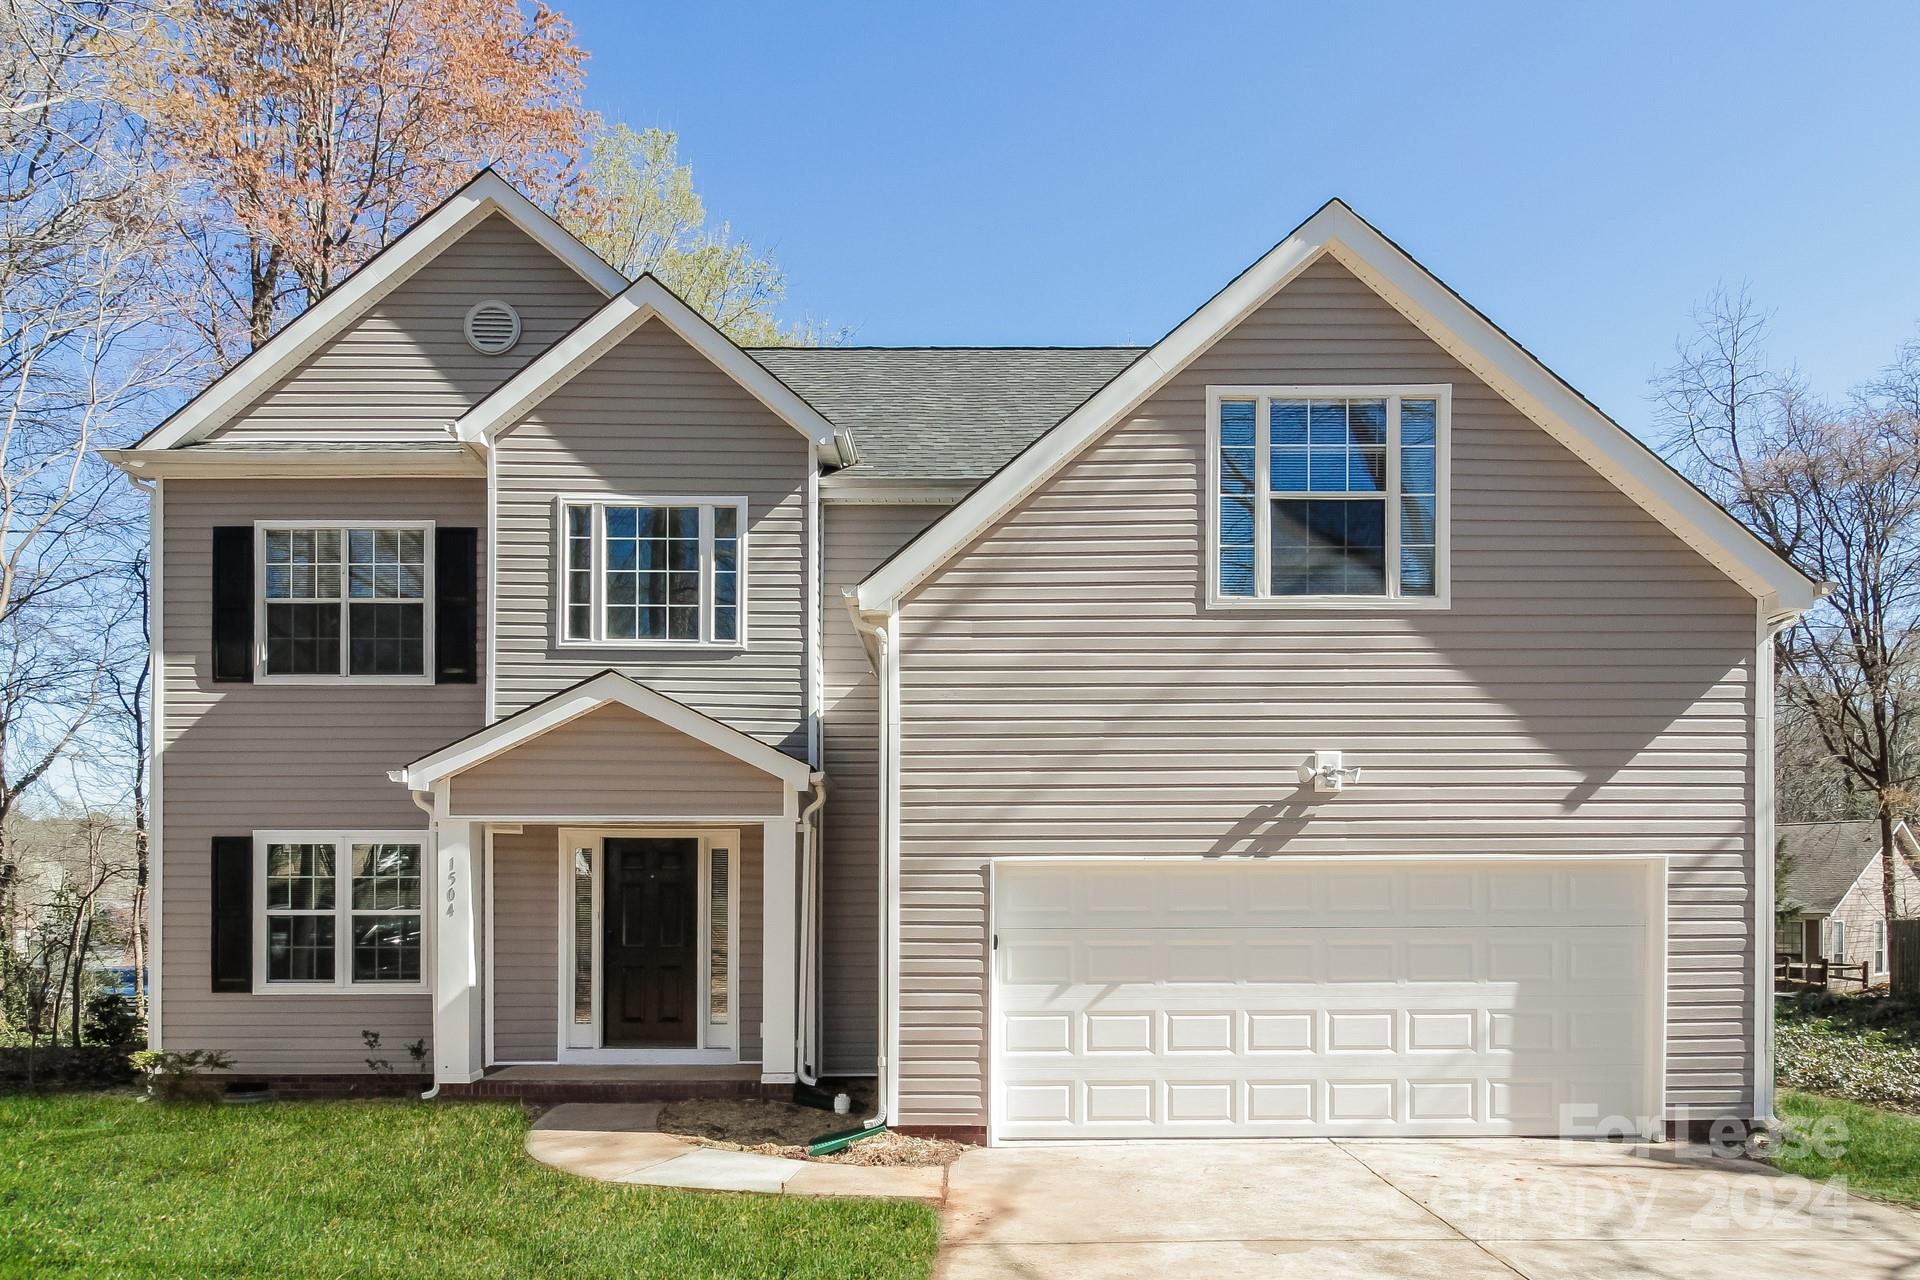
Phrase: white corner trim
x=602 y=690
x=1440 y=313
x=646 y=299
x=488 y=193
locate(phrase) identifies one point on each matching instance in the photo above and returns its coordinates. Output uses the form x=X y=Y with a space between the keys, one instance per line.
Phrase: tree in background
x=307 y=134
x=1837 y=490
x=640 y=212
x=80 y=361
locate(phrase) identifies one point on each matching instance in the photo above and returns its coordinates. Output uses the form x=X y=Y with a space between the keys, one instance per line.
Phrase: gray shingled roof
x=943 y=413
x=1827 y=858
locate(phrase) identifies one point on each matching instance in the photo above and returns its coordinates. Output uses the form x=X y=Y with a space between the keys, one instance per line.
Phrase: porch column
x=780 y=960
x=458 y=1046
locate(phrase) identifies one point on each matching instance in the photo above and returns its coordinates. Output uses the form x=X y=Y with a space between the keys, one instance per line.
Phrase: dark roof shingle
x=943 y=413
x=1827 y=857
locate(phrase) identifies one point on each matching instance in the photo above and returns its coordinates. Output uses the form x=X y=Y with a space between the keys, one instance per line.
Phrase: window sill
x=642 y=646
x=260 y=677
x=342 y=989
x=1276 y=604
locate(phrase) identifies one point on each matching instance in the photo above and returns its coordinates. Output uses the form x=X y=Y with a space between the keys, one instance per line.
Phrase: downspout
x=809 y=929
x=878 y=641
x=423 y=800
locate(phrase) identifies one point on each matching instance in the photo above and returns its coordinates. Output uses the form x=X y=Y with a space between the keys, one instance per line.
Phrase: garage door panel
x=1549 y=959
x=1272 y=892
x=1170 y=1024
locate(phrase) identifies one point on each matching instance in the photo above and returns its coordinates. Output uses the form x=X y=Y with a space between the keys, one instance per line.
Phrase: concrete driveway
x=1405 y=1209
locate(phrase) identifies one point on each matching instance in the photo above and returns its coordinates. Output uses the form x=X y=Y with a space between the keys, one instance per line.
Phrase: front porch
x=594 y=1083
x=617 y=890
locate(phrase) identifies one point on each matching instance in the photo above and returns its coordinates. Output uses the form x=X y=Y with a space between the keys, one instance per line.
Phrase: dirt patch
x=782 y=1129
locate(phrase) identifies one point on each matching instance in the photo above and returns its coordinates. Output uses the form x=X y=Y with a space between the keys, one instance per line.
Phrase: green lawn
x=109 y=1185
x=1879 y=1154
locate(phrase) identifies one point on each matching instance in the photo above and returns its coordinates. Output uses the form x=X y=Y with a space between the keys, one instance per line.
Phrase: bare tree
x=80 y=358
x=1837 y=491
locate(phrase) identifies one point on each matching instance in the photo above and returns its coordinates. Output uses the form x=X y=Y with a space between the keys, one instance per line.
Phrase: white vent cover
x=492 y=327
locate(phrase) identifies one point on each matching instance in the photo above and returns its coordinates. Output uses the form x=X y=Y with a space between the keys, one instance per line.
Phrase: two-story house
x=1323 y=721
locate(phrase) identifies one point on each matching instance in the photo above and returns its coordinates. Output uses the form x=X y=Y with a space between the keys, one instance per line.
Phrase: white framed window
x=343 y=600
x=340 y=910
x=1879 y=947
x=1331 y=495
x=1837 y=940
x=652 y=572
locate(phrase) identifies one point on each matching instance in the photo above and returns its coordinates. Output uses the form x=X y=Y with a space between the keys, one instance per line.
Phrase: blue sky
x=1082 y=173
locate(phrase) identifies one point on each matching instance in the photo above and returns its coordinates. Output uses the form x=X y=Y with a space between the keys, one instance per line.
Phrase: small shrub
x=177 y=1077
x=114 y=1020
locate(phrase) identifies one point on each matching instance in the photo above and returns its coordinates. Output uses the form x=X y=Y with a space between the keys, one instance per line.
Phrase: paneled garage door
x=1252 y=998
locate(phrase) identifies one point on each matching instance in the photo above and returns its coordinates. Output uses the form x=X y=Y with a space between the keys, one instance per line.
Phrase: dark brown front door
x=650 y=963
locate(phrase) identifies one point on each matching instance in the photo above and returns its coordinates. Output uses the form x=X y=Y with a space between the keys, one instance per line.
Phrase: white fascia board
x=646 y=299
x=267 y=464
x=487 y=194
x=605 y=689
x=1440 y=313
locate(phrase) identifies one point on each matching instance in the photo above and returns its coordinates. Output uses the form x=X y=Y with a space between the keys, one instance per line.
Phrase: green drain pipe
x=827 y=1144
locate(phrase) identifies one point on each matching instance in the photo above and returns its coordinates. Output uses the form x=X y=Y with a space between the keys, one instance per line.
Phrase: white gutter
x=880 y=644
x=809 y=1021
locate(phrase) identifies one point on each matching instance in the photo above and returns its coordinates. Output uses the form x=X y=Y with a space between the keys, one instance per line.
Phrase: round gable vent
x=492 y=327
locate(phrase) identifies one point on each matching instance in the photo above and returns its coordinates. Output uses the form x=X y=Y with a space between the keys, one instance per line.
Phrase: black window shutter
x=233 y=602
x=233 y=913
x=456 y=605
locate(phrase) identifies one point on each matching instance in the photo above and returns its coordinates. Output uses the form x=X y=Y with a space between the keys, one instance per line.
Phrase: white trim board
x=644 y=300
x=589 y=695
x=487 y=194
x=1444 y=317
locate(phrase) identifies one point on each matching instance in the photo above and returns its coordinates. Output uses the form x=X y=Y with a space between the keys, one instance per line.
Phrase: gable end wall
x=1065 y=691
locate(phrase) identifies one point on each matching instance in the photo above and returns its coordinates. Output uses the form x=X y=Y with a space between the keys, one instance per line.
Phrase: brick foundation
x=554 y=1092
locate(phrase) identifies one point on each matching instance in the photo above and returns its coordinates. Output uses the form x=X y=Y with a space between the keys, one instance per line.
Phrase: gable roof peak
x=482 y=196
x=1447 y=319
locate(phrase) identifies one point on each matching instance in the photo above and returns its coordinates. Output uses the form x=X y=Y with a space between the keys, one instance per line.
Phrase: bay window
x=1329 y=494
x=646 y=572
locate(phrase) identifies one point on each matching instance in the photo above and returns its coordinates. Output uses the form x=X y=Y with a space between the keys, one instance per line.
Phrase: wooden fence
x=1903 y=939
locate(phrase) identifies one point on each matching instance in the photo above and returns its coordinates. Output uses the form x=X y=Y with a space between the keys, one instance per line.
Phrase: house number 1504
x=452 y=880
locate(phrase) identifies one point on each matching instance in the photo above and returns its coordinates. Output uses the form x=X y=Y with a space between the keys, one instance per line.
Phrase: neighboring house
x=1834 y=904
x=1321 y=722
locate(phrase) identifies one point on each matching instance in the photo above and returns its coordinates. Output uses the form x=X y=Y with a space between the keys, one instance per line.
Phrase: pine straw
x=782 y=1129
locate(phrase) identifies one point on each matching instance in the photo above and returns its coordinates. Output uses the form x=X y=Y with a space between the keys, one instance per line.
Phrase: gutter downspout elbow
x=809 y=931
x=424 y=802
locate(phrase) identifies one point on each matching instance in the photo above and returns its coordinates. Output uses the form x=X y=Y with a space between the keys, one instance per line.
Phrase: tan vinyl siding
x=404 y=369
x=654 y=418
x=239 y=758
x=613 y=762
x=527 y=948
x=1065 y=691
x=525 y=922
x=858 y=536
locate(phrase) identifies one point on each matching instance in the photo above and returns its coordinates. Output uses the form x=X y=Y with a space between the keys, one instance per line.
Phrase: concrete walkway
x=623 y=1143
x=1463 y=1210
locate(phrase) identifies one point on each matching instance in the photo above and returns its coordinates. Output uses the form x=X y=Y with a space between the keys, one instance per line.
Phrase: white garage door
x=1271 y=999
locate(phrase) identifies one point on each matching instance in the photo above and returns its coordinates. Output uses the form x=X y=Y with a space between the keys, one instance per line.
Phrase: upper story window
x=1328 y=494
x=344 y=600
x=642 y=572
x=339 y=909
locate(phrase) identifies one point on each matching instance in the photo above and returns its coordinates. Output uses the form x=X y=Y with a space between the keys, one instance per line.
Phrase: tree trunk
x=1888 y=855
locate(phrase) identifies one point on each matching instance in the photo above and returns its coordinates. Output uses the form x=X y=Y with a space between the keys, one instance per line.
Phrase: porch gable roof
x=606 y=689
